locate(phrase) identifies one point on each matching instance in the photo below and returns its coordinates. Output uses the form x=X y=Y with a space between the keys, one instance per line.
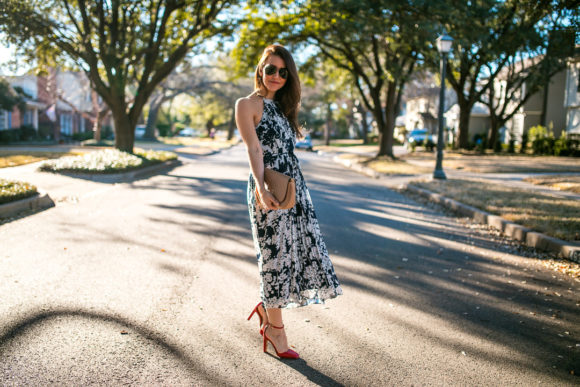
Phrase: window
x=3 y=119
x=27 y=118
x=66 y=124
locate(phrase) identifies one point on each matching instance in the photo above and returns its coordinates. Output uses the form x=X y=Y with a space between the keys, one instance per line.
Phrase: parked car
x=304 y=143
x=140 y=131
x=420 y=137
x=188 y=132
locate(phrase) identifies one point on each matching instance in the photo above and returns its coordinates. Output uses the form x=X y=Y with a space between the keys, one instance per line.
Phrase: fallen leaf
x=124 y=332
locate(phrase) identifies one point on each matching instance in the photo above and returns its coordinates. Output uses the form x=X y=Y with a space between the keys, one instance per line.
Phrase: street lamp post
x=443 y=46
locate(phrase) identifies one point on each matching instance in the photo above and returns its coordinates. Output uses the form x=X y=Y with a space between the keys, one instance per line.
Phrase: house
x=60 y=104
x=558 y=103
x=422 y=108
x=29 y=117
x=479 y=121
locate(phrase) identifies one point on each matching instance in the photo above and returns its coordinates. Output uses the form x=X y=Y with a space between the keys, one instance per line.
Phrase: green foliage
x=24 y=133
x=544 y=143
x=125 y=47
x=82 y=136
x=15 y=190
x=542 y=140
x=11 y=97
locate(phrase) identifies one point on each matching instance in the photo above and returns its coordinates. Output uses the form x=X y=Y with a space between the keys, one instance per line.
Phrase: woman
x=293 y=261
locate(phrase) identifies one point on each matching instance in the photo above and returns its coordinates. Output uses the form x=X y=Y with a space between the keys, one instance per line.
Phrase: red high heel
x=257 y=310
x=289 y=354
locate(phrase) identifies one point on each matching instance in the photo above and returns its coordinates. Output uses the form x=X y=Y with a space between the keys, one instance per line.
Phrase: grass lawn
x=563 y=183
x=15 y=190
x=551 y=215
x=217 y=143
x=502 y=163
x=14 y=158
x=387 y=165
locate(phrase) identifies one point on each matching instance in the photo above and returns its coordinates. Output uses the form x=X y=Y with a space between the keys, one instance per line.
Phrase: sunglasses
x=270 y=69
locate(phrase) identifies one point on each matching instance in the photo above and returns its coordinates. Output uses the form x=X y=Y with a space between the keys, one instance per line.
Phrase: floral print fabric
x=293 y=261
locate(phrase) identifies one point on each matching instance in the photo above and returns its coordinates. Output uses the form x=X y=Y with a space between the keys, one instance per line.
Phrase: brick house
x=59 y=106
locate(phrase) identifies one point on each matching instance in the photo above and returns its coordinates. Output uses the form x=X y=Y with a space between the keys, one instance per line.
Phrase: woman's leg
x=278 y=336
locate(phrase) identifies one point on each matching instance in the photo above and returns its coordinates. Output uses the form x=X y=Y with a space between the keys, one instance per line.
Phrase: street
x=151 y=282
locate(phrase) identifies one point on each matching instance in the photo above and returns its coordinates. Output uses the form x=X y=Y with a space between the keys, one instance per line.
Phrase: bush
x=83 y=136
x=155 y=156
x=10 y=135
x=28 y=133
x=106 y=161
x=15 y=190
x=542 y=140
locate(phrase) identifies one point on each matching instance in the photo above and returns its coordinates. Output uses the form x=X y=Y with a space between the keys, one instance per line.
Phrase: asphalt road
x=151 y=282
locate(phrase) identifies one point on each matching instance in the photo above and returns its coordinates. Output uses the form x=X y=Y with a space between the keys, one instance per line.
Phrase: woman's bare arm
x=245 y=111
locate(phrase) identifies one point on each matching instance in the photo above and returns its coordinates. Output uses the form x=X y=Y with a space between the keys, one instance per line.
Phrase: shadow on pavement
x=36 y=319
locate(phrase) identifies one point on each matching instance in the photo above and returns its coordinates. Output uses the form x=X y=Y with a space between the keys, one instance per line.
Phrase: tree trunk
x=464 y=113
x=124 y=130
x=365 y=124
x=387 y=126
x=152 y=120
x=328 y=126
x=232 y=125
x=492 y=133
x=97 y=128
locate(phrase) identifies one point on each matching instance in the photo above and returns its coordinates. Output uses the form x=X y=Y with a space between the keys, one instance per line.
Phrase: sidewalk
x=510 y=179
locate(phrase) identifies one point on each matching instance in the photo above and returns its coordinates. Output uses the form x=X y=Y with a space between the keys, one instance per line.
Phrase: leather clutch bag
x=281 y=186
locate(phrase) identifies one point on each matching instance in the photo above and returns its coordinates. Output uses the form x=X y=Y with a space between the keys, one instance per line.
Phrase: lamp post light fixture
x=444 y=47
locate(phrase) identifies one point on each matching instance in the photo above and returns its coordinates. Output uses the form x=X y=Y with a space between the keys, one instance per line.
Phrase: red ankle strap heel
x=289 y=354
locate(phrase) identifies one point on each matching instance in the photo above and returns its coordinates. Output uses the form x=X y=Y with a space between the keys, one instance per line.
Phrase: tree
x=11 y=97
x=118 y=44
x=486 y=33
x=523 y=76
x=379 y=43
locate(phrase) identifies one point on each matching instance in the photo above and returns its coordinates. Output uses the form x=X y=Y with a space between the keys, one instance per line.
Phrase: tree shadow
x=35 y=319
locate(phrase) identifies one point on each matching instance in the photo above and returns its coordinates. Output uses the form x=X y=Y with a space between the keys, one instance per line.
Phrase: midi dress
x=295 y=269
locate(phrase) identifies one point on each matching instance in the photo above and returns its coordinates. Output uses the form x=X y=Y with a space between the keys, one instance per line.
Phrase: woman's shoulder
x=252 y=102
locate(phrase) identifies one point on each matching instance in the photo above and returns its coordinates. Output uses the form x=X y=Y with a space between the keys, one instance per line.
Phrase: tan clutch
x=281 y=186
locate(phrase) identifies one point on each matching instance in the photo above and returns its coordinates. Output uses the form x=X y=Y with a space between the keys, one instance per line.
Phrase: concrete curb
x=523 y=234
x=125 y=176
x=40 y=201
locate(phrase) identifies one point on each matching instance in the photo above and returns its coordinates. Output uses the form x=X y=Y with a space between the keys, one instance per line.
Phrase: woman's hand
x=266 y=200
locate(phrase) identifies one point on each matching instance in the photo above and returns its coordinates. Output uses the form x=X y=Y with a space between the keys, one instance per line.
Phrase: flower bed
x=107 y=161
x=15 y=190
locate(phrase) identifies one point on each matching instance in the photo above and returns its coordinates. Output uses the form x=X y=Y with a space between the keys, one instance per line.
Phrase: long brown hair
x=289 y=95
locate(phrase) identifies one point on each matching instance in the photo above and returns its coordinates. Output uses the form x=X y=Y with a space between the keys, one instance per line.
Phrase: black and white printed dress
x=294 y=266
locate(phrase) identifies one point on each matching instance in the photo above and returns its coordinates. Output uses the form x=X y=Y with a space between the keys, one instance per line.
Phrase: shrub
x=106 y=161
x=83 y=136
x=15 y=190
x=28 y=133
x=156 y=156
x=10 y=135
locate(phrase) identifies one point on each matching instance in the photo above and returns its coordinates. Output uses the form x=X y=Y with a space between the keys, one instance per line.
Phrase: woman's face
x=273 y=82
